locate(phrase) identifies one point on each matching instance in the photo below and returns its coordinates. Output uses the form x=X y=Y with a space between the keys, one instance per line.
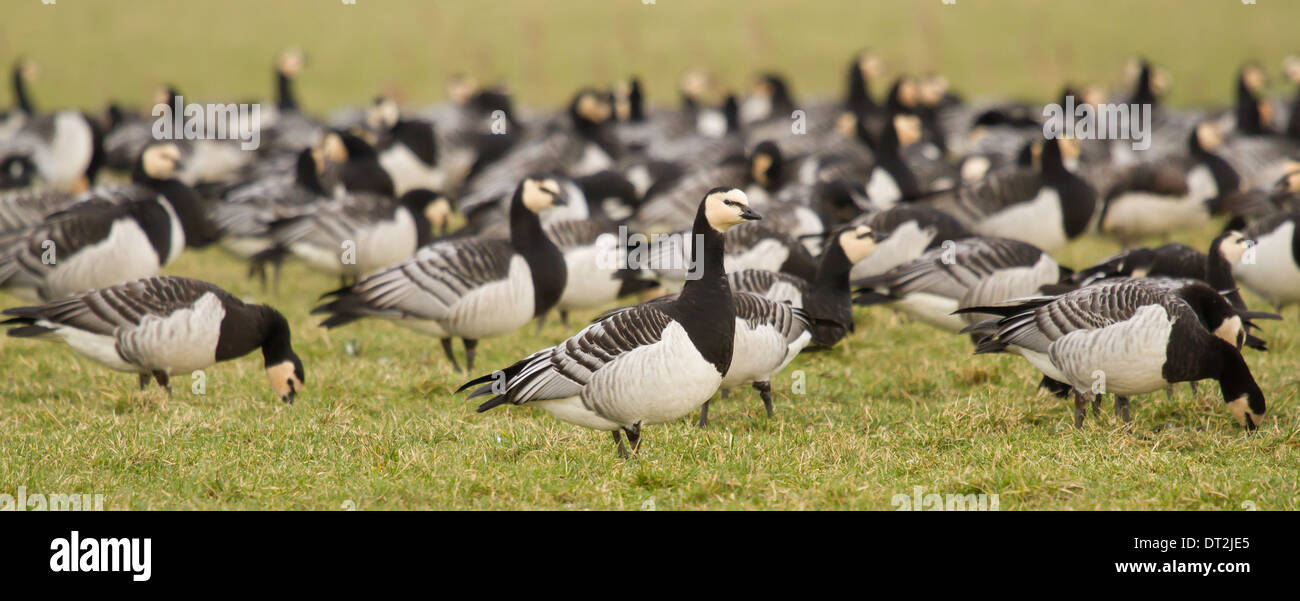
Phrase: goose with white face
x=542 y=194
x=726 y=208
x=161 y=161
x=858 y=243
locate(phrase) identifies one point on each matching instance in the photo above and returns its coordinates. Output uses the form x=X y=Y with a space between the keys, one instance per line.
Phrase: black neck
x=858 y=99
x=1236 y=380
x=705 y=307
x=305 y=173
x=830 y=299
x=545 y=261
x=20 y=90
x=1218 y=274
x=286 y=100
x=416 y=203
x=185 y=202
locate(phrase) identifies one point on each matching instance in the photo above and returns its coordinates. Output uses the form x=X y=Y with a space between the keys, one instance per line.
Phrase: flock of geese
x=767 y=219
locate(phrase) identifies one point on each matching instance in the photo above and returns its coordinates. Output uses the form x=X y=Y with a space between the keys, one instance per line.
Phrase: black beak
x=559 y=200
x=879 y=236
x=749 y=214
x=289 y=398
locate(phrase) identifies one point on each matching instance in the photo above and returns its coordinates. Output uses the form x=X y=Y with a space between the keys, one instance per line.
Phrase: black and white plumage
x=748 y=246
x=1047 y=206
x=471 y=288
x=1176 y=260
x=1179 y=193
x=1127 y=338
x=593 y=256
x=646 y=365
x=113 y=235
x=27 y=207
x=826 y=298
x=356 y=234
x=971 y=271
x=1271 y=268
x=904 y=232
x=163 y=326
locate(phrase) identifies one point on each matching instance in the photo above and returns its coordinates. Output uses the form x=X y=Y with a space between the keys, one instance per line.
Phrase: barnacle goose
x=1175 y=194
x=162 y=326
x=408 y=148
x=357 y=234
x=647 y=365
x=1046 y=207
x=1177 y=261
x=244 y=215
x=891 y=179
x=1272 y=267
x=593 y=256
x=470 y=288
x=827 y=297
x=114 y=235
x=971 y=271
x=1128 y=338
x=903 y=232
x=748 y=246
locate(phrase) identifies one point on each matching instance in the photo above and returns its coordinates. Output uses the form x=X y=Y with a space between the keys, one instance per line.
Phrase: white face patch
x=160 y=160
x=1208 y=136
x=720 y=214
x=438 y=212
x=908 y=128
x=762 y=163
x=1230 y=331
x=593 y=109
x=333 y=150
x=540 y=194
x=283 y=379
x=858 y=243
x=1240 y=409
x=1233 y=247
x=383 y=114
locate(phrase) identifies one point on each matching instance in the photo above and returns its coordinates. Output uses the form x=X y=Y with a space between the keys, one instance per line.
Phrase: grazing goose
x=1176 y=194
x=357 y=234
x=114 y=235
x=827 y=297
x=162 y=326
x=408 y=148
x=1176 y=261
x=647 y=365
x=967 y=272
x=1271 y=268
x=903 y=233
x=1128 y=338
x=470 y=288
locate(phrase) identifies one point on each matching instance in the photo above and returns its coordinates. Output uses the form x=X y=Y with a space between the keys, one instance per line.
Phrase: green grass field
x=896 y=405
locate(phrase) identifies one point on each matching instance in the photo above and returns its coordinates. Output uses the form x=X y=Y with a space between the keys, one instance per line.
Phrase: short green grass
x=895 y=406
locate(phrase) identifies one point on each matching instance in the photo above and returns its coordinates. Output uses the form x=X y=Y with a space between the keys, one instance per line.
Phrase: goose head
x=590 y=108
x=283 y=367
x=1232 y=245
x=539 y=194
x=161 y=161
x=726 y=207
x=857 y=242
x=290 y=62
x=765 y=165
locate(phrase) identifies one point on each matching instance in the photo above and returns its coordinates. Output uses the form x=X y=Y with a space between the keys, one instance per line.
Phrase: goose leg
x=1121 y=408
x=144 y=381
x=618 y=439
x=564 y=318
x=1096 y=405
x=451 y=356
x=1193 y=385
x=765 y=392
x=1169 y=394
x=1080 y=409
x=541 y=321
x=704 y=414
x=471 y=347
x=163 y=381
x=634 y=437
x=275 y=277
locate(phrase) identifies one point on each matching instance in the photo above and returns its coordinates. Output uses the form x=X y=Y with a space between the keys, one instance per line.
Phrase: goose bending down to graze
x=971 y=271
x=1128 y=338
x=903 y=233
x=1272 y=267
x=1157 y=199
x=826 y=298
x=162 y=326
x=647 y=365
x=113 y=235
x=355 y=235
x=471 y=288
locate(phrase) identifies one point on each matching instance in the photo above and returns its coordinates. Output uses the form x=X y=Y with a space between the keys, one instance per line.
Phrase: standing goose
x=470 y=288
x=162 y=326
x=967 y=272
x=115 y=235
x=1272 y=270
x=650 y=364
x=826 y=298
x=1173 y=195
x=1128 y=338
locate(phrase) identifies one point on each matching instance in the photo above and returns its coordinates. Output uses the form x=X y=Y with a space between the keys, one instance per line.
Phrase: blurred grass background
x=94 y=50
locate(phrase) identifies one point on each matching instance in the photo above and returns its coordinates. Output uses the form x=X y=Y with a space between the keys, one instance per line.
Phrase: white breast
x=593 y=268
x=408 y=171
x=882 y=189
x=759 y=353
x=655 y=383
